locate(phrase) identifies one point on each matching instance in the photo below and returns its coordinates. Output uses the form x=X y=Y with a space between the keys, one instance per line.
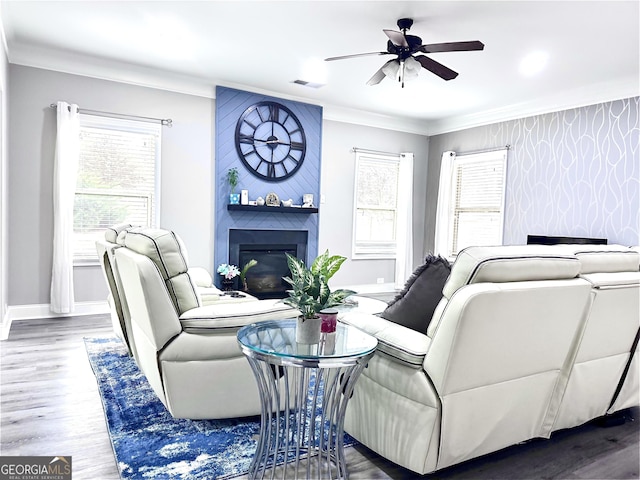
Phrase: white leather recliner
x=120 y=318
x=629 y=388
x=511 y=354
x=188 y=352
x=604 y=354
x=114 y=238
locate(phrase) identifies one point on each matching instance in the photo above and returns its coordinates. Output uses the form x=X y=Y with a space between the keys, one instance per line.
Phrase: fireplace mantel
x=270 y=209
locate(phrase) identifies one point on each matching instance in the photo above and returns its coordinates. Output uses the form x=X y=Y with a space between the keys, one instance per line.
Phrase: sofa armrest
x=399 y=342
x=200 y=277
x=228 y=315
x=213 y=296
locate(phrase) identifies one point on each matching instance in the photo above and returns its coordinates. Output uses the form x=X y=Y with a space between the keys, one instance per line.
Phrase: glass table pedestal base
x=302 y=422
x=304 y=390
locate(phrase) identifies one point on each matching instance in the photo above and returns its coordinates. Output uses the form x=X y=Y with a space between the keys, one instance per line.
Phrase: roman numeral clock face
x=270 y=141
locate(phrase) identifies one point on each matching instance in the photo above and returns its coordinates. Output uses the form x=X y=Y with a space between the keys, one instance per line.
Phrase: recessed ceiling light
x=314 y=72
x=533 y=63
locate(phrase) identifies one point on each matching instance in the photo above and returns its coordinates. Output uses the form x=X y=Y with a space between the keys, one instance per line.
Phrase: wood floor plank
x=49 y=405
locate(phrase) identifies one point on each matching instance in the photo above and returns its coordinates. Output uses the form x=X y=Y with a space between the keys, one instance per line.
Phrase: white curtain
x=404 y=224
x=444 y=200
x=65 y=172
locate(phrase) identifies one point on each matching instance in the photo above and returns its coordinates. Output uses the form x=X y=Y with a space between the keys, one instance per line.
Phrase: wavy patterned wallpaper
x=574 y=172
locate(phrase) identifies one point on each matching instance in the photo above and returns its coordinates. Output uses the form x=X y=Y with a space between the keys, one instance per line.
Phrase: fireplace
x=269 y=249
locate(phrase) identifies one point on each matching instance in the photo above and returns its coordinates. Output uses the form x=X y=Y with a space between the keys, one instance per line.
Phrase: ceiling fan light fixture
x=404 y=46
x=411 y=68
x=391 y=69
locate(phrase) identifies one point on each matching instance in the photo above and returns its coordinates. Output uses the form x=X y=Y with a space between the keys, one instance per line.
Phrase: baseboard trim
x=32 y=312
x=6 y=325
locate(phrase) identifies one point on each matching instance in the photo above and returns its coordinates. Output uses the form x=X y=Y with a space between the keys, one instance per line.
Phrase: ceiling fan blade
x=330 y=59
x=379 y=75
x=397 y=38
x=451 y=47
x=435 y=67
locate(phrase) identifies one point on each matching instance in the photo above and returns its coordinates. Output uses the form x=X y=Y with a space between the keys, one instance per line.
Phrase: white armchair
x=206 y=291
x=188 y=352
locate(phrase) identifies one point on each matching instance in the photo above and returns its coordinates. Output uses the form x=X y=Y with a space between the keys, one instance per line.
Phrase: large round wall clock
x=270 y=141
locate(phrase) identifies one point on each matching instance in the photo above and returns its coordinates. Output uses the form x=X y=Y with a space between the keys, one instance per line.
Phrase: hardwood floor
x=49 y=405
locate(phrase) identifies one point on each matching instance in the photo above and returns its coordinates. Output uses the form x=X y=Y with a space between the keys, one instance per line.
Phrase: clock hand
x=269 y=142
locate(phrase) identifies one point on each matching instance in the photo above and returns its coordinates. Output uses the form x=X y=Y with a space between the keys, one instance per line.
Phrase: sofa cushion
x=166 y=251
x=413 y=307
x=511 y=263
x=604 y=258
x=201 y=278
x=223 y=315
x=609 y=280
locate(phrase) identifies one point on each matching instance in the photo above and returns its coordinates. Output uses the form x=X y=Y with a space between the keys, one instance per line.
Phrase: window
x=118 y=178
x=376 y=205
x=470 y=201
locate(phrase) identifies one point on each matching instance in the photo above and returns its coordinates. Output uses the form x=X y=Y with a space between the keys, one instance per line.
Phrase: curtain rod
x=162 y=121
x=374 y=152
x=486 y=150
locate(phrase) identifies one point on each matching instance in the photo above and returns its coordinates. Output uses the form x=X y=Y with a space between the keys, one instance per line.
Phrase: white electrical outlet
x=380 y=280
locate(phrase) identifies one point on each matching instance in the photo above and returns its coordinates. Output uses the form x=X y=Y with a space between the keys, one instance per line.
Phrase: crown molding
x=343 y=114
x=104 y=69
x=375 y=120
x=576 y=98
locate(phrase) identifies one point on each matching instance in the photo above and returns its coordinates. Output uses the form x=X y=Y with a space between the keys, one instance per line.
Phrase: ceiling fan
x=406 y=64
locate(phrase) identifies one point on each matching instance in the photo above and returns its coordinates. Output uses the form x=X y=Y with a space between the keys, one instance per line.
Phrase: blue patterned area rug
x=148 y=442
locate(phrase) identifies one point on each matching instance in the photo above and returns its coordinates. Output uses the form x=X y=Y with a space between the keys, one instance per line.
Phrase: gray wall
x=4 y=194
x=186 y=172
x=575 y=172
x=337 y=182
x=187 y=168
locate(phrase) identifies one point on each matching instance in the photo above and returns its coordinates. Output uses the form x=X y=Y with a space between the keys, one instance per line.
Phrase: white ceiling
x=262 y=46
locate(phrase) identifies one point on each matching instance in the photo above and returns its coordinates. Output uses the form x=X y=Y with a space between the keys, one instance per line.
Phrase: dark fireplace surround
x=268 y=248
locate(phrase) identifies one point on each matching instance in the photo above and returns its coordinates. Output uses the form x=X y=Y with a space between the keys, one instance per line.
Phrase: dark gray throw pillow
x=413 y=307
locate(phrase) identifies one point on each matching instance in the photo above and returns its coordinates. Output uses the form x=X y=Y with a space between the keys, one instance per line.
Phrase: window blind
x=477 y=203
x=117 y=178
x=470 y=201
x=376 y=200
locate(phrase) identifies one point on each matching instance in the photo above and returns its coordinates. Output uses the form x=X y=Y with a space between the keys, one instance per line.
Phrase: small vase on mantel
x=308 y=330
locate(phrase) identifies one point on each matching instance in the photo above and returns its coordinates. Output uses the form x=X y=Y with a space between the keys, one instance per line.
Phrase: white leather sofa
x=526 y=340
x=188 y=352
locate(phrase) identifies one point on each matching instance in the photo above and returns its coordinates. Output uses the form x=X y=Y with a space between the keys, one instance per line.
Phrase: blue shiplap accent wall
x=230 y=104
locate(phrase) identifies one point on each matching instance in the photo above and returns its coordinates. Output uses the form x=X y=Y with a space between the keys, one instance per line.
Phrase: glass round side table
x=304 y=390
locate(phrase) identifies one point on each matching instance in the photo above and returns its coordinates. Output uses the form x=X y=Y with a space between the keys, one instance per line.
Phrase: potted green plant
x=232 y=179
x=243 y=273
x=310 y=292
